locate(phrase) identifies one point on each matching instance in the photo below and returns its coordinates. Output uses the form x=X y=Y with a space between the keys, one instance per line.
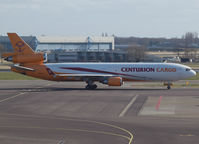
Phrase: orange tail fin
x=20 y=46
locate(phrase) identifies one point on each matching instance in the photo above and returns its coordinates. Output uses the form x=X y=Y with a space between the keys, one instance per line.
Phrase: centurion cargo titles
x=134 y=69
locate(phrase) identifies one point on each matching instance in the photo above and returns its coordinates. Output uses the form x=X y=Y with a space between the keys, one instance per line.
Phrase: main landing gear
x=90 y=85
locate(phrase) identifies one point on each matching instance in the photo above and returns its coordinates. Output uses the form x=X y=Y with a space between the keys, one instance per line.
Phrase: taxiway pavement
x=43 y=112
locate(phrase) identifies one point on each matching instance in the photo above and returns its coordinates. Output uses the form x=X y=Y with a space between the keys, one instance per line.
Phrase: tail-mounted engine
x=24 y=59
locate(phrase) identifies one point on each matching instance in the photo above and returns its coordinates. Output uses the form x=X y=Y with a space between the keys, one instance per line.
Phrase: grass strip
x=14 y=76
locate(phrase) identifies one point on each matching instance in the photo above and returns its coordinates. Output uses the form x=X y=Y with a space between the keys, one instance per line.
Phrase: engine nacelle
x=115 y=81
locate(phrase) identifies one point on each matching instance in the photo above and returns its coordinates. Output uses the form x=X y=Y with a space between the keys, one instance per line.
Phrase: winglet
x=20 y=46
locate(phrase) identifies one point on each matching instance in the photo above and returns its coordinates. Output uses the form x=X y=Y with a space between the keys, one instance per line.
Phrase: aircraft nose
x=193 y=73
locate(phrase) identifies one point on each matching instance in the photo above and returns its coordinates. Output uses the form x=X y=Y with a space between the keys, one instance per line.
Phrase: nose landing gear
x=168 y=84
x=168 y=87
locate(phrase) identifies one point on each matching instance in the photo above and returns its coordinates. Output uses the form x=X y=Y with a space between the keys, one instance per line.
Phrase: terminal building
x=79 y=49
x=46 y=43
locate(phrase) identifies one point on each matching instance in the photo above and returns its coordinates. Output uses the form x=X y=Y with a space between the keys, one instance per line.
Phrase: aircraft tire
x=94 y=86
x=87 y=87
x=168 y=87
x=91 y=87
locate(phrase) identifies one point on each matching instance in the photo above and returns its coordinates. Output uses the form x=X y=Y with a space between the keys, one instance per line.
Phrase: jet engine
x=113 y=81
x=29 y=58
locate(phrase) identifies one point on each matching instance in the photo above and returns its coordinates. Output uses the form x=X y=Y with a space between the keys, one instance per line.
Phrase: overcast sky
x=142 y=18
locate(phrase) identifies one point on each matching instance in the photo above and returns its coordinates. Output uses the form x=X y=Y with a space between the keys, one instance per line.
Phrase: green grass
x=14 y=76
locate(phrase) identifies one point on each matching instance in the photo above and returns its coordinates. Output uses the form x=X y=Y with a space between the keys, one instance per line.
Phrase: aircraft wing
x=85 y=75
x=79 y=74
x=22 y=68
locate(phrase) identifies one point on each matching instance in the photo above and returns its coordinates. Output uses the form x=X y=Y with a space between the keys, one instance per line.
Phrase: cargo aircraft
x=30 y=63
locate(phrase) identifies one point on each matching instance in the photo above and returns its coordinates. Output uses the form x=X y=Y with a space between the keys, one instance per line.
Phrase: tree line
x=137 y=47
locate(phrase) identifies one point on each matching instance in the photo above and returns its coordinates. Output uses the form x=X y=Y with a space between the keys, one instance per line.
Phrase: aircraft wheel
x=87 y=87
x=94 y=86
x=91 y=87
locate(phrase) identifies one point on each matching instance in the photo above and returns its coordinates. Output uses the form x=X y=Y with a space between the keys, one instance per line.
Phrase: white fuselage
x=128 y=71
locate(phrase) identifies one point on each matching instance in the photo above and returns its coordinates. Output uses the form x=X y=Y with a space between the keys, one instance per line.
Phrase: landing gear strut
x=90 y=85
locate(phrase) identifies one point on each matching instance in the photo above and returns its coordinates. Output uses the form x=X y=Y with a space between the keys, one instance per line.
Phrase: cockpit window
x=187 y=69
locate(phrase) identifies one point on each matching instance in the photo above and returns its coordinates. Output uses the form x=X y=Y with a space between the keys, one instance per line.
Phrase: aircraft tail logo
x=19 y=45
